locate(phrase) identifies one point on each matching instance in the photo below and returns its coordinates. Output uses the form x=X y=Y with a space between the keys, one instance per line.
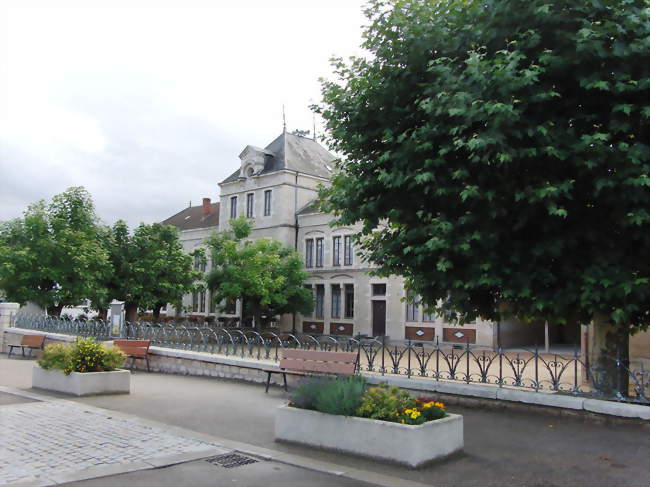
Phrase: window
x=202 y=301
x=319 y=252
x=267 y=202
x=349 y=300
x=199 y=263
x=195 y=302
x=379 y=289
x=320 y=300
x=336 y=300
x=233 y=207
x=250 y=205
x=412 y=308
x=428 y=316
x=347 y=250
x=308 y=287
x=309 y=252
x=336 y=251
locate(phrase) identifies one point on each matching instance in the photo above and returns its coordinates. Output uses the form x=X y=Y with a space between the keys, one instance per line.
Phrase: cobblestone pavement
x=42 y=439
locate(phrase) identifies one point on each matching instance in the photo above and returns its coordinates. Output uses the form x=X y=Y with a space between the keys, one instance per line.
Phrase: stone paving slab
x=60 y=441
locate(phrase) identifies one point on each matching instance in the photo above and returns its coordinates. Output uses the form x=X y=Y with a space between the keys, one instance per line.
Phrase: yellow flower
x=427 y=405
x=415 y=414
x=408 y=411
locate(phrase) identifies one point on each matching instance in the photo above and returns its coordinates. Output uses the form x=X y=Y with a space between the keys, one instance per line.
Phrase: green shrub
x=304 y=395
x=341 y=395
x=386 y=403
x=55 y=356
x=113 y=358
x=84 y=355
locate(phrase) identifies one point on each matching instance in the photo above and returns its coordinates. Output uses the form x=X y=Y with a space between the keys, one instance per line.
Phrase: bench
x=134 y=349
x=313 y=362
x=33 y=342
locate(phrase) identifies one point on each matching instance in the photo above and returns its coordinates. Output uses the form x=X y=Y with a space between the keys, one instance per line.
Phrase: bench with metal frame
x=135 y=349
x=32 y=342
x=313 y=362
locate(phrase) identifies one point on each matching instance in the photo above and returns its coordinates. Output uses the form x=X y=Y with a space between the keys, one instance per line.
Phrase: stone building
x=277 y=187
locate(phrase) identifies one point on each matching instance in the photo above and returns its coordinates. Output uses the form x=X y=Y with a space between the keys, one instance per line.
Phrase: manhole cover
x=230 y=460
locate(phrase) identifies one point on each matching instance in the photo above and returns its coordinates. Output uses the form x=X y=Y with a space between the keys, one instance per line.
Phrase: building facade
x=277 y=187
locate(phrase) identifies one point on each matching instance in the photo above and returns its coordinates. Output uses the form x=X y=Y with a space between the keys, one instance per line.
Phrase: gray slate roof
x=192 y=217
x=296 y=153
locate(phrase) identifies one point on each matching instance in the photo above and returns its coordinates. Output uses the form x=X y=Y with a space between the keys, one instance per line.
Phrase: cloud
x=148 y=107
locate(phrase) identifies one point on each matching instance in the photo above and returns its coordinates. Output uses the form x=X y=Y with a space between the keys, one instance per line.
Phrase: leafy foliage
x=53 y=256
x=149 y=265
x=340 y=395
x=85 y=355
x=385 y=403
x=265 y=275
x=55 y=356
x=521 y=133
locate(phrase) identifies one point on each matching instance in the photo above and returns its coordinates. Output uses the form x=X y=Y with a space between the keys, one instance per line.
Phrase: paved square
x=42 y=439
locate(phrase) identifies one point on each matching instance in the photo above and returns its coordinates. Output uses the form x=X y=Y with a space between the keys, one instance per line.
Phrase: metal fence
x=522 y=369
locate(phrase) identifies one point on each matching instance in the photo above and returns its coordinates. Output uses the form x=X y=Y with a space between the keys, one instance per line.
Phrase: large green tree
x=497 y=153
x=266 y=276
x=52 y=256
x=150 y=268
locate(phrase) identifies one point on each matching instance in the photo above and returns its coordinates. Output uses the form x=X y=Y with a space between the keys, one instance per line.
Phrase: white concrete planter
x=400 y=443
x=82 y=384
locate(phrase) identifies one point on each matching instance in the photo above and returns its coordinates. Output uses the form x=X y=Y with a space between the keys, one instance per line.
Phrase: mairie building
x=277 y=187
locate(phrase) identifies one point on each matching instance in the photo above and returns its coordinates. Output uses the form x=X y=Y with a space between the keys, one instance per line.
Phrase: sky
x=148 y=104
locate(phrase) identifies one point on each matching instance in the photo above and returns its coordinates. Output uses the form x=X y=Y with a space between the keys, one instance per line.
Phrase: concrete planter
x=400 y=443
x=82 y=384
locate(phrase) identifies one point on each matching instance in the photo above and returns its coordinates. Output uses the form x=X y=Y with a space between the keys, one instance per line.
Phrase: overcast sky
x=148 y=104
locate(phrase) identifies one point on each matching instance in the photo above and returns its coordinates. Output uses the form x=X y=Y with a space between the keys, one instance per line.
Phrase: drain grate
x=231 y=460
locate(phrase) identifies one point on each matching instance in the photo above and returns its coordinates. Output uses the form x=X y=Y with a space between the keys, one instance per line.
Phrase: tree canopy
x=266 y=276
x=497 y=153
x=150 y=268
x=53 y=256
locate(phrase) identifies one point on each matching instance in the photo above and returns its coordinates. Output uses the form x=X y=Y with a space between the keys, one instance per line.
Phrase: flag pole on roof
x=284 y=120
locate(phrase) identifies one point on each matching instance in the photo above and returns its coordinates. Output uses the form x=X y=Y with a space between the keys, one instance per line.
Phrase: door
x=378 y=318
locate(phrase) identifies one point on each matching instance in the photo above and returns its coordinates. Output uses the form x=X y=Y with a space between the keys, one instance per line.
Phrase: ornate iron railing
x=525 y=369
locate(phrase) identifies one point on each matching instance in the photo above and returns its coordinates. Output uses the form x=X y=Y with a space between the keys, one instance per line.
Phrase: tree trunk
x=54 y=310
x=102 y=315
x=156 y=311
x=131 y=311
x=609 y=356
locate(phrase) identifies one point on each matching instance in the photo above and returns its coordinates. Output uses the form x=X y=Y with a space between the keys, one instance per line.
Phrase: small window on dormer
x=249 y=172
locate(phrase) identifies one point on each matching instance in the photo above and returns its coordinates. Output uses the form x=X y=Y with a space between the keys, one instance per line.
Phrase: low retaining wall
x=173 y=361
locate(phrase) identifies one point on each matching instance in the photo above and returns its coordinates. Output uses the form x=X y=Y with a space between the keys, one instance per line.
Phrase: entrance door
x=378 y=318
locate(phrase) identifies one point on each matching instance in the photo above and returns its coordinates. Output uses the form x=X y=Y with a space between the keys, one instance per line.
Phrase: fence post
x=7 y=313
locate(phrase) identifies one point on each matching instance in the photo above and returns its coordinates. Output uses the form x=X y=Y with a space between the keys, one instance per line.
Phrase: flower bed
x=82 y=368
x=381 y=422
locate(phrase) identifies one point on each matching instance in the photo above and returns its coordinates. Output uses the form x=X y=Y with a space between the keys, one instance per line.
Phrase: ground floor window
x=320 y=300
x=349 y=300
x=336 y=300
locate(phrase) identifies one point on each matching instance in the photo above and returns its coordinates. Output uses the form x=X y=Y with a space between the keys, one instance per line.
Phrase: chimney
x=206 y=206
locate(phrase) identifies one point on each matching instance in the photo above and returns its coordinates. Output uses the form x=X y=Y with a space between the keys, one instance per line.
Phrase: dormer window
x=253 y=160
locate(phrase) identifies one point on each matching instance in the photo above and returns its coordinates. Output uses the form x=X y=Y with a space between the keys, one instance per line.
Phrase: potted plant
x=82 y=368
x=381 y=422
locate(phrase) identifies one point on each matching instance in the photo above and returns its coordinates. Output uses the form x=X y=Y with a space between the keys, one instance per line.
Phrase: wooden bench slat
x=138 y=352
x=33 y=340
x=320 y=355
x=311 y=366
